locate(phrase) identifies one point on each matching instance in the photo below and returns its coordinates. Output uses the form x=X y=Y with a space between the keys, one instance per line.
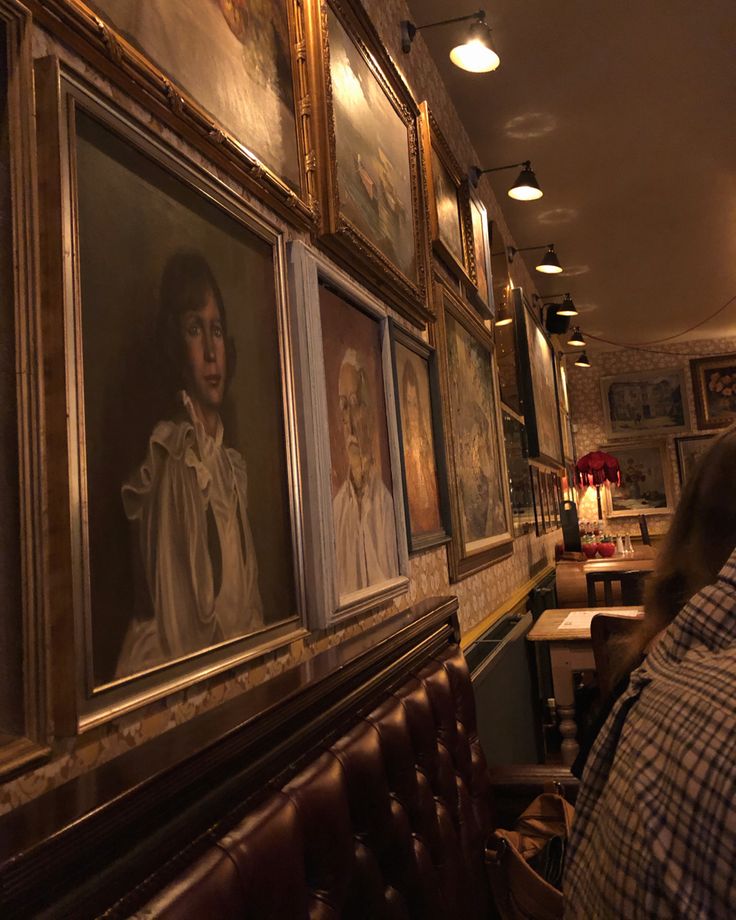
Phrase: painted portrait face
x=204 y=350
x=356 y=421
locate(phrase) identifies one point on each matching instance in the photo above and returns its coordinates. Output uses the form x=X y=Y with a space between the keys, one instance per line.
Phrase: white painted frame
x=307 y=268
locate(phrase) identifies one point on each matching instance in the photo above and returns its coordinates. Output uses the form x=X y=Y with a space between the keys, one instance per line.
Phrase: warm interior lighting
x=550 y=264
x=567 y=307
x=475 y=54
x=577 y=338
x=583 y=361
x=503 y=320
x=526 y=187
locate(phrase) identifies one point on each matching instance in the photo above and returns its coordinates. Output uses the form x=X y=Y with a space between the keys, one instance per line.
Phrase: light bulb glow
x=475 y=56
x=525 y=193
x=548 y=269
x=506 y=321
x=567 y=307
x=583 y=361
x=576 y=338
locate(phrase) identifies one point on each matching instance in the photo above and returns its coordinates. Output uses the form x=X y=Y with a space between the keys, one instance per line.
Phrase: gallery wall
x=586 y=408
x=480 y=594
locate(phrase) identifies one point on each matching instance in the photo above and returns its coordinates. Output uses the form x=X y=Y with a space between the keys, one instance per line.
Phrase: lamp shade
x=596 y=468
x=550 y=264
x=526 y=187
x=576 y=338
x=567 y=307
x=583 y=360
x=475 y=54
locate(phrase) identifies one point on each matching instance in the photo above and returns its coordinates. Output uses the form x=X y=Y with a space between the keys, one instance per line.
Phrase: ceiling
x=627 y=110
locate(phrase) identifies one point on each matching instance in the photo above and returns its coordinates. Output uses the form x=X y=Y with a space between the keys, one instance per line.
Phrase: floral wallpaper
x=586 y=410
x=479 y=595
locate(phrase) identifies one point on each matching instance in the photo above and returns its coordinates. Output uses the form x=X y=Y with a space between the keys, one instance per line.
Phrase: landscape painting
x=372 y=153
x=644 y=402
x=645 y=486
x=690 y=450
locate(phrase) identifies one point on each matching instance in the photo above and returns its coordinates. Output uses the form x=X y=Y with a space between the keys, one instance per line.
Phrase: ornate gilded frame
x=480 y=294
x=698 y=369
x=429 y=356
x=307 y=270
x=26 y=744
x=336 y=232
x=433 y=141
x=618 y=450
x=79 y=704
x=462 y=561
x=79 y=27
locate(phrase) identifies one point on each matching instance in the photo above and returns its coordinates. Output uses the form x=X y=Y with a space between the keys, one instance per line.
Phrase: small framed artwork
x=522 y=498
x=372 y=211
x=352 y=452
x=539 y=520
x=648 y=402
x=482 y=292
x=481 y=532
x=161 y=54
x=424 y=471
x=175 y=502
x=646 y=486
x=714 y=386
x=450 y=229
x=690 y=450
x=504 y=328
x=538 y=379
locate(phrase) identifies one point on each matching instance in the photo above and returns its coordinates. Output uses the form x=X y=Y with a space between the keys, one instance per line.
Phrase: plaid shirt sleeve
x=655 y=823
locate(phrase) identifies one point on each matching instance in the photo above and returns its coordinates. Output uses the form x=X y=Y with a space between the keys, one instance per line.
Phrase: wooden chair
x=631 y=587
x=606 y=632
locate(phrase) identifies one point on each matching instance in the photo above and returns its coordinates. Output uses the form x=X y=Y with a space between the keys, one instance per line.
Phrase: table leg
x=562 y=680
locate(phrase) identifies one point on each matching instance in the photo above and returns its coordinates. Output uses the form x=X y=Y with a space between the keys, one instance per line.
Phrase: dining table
x=571 y=584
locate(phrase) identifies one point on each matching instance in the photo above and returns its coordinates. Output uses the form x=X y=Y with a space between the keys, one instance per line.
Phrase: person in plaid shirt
x=655 y=823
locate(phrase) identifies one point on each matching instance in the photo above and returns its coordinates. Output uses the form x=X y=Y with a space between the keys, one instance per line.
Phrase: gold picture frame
x=370 y=181
x=714 y=387
x=96 y=39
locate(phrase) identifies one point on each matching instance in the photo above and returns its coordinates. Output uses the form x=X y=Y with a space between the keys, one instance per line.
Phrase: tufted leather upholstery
x=388 y=822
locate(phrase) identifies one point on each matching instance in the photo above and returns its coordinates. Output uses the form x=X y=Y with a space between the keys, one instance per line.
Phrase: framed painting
x=24 y=631
x=690 y=451
x=226 y=75
x=520 y=489
x=450 y=229
x=649 y=402
x=714 y=386
x=539 y=520
x=371 y=190
x=538 y=380
x=482 y=292
x=423 y=466
x=176 y=501
x=352 y=455
x=646 y=486
x=474 y=438
x=568 y=441
x=504 y=328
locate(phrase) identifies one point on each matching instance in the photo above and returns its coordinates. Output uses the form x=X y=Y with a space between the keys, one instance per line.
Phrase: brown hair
x=701 y=538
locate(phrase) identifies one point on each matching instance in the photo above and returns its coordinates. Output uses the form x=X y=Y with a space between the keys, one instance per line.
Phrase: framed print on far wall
x=646 y=486
x=690 y=450
x=648 y=402
x=505 y=335
x=539 y=521
x=522 y=496
x=227 y=76
x=538 y=378
x=352 y=453
x=176 y=499
x=372 y=212
x=474 y=438
x=416 y=383
x=714 y=386
x=482 y=292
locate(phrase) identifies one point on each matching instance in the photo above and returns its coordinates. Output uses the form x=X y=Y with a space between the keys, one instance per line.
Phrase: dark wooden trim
x=76 y=850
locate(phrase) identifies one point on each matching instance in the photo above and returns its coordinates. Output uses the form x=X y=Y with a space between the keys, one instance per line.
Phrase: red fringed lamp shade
x=596 y=468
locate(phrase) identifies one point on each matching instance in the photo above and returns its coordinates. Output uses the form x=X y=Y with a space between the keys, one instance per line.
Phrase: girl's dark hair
x=186 y=282
x=701 y=538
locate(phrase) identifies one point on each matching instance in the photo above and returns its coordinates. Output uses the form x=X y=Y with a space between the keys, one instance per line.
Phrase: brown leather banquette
x=354 y=786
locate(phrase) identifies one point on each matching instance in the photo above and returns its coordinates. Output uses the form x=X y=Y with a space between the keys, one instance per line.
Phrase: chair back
x=606 y=633
x=630 y=587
